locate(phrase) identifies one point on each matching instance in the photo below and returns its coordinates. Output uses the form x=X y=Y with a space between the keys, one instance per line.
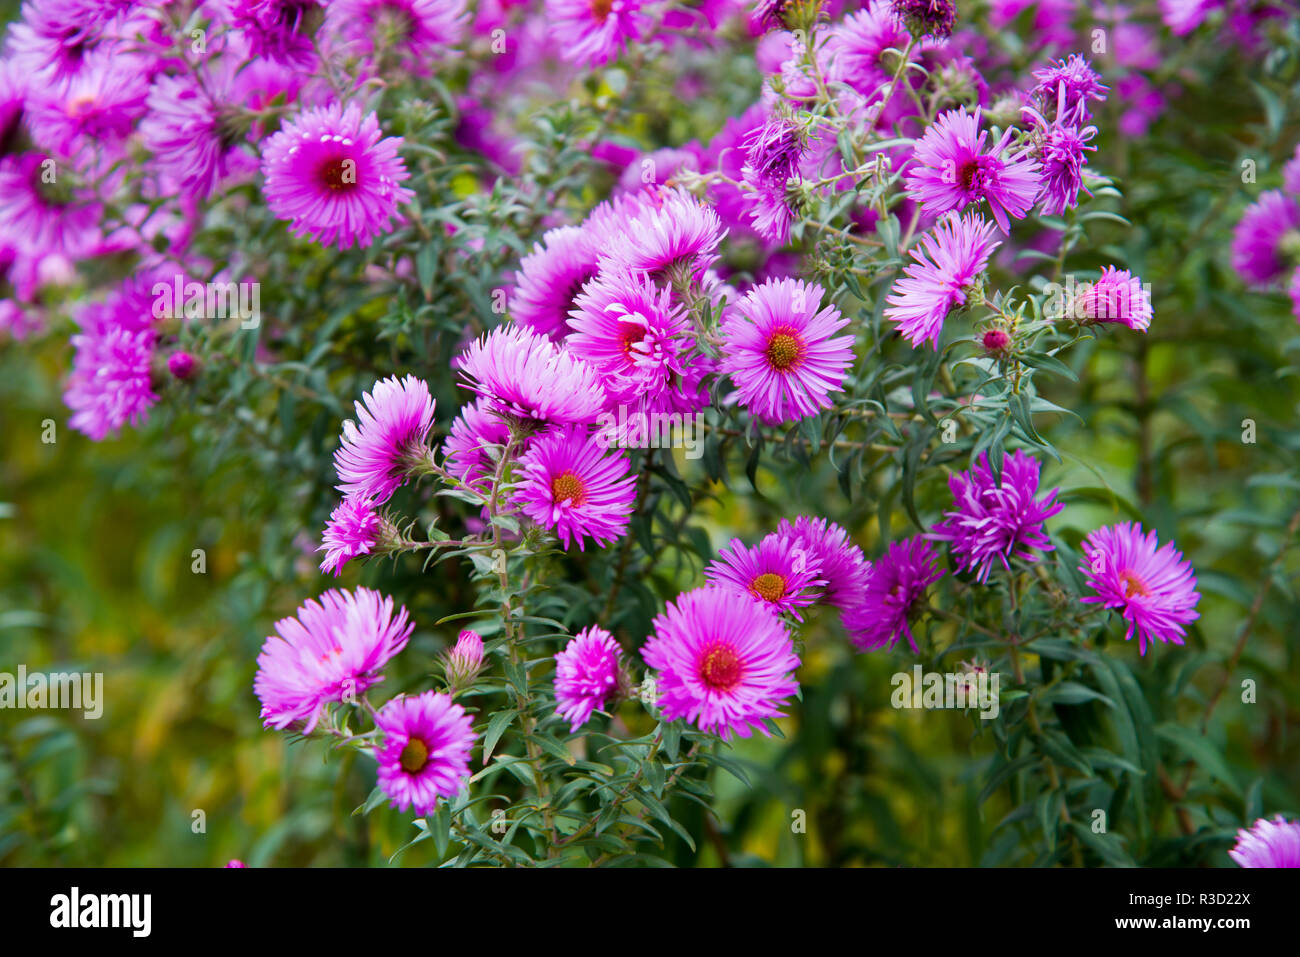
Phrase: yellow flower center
x=568 y=488
x=769 y=586
x=414 y=756
x=783 y=350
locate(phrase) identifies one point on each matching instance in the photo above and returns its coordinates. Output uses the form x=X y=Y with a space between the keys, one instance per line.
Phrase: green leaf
x=1197 y=747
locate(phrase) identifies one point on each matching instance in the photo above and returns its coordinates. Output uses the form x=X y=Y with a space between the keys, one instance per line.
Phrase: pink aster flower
x=42 y=217
x=1268 y=843
x=97 y=107
x=1117 y=296
x=1266 y=239
x=725 y=664
x=417 y=30
x=425 y=754
x=333 y=650
x=1060 y=146
x=628 y=330
x=995 y=522
x=476 y=430
x=281 y=30
x=593 y=32
x=550 y=278
x=353 y=530
x=586 y=674
x=389 y=437
x=894 y=594
x=781 y=352
x=775 y=573
x=840 y=562
x=334 y=176
x=949 y=258
x=953 y=170
x=858 y=44
x=570 y=483
x=54 y=38
x=111 y=382
x=927 y=18
x=1072 y=80
x=672 y=232
x=773 y=154
x=526 y=376
x=1154 y=588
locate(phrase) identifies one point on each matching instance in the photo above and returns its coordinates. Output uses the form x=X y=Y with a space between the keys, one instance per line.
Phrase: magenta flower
x=1072 y=82
x=417 y=30
x=333 y=650
x=840 y=562
x=724 y=663
x=353 y=529
x=185 y=132
x=280 y=30
x=773 y=153
x=671 y=232
x=550 y=278
x=1268 y=843
x=953 y=170
x=43 y=218
x=111 y=381
x=527 y=376
x=1154 y=588
x=781 y=352
x=775 y=573
x=1059 y=145
x=629 y=331
x=858 y=44
x=593 y=32
x=425 y=754
x=570 y=483
x=334 y=176
x=995 y=522
x=932 y=18
x=1266 y=241
x=586 y=674
x=54 y=38
x=1117 y=296
x=99 y=106
x=389 y=436
x=948 y=260
x=894 y=594
x=473 y=432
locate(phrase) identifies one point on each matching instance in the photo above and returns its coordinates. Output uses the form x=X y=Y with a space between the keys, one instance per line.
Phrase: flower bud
x=462 y=663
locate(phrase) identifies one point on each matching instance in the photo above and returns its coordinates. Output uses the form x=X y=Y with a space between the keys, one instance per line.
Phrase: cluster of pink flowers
x=332 y=652
x=1266 y=246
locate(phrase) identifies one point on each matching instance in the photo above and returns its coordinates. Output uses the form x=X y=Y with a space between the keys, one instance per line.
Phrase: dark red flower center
x=567 y=487
x=414 y=756
x=600 y=9
x=339 y=173
x=721 y=668
x=968 y=173
x=769 y=586
x=784 y=349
